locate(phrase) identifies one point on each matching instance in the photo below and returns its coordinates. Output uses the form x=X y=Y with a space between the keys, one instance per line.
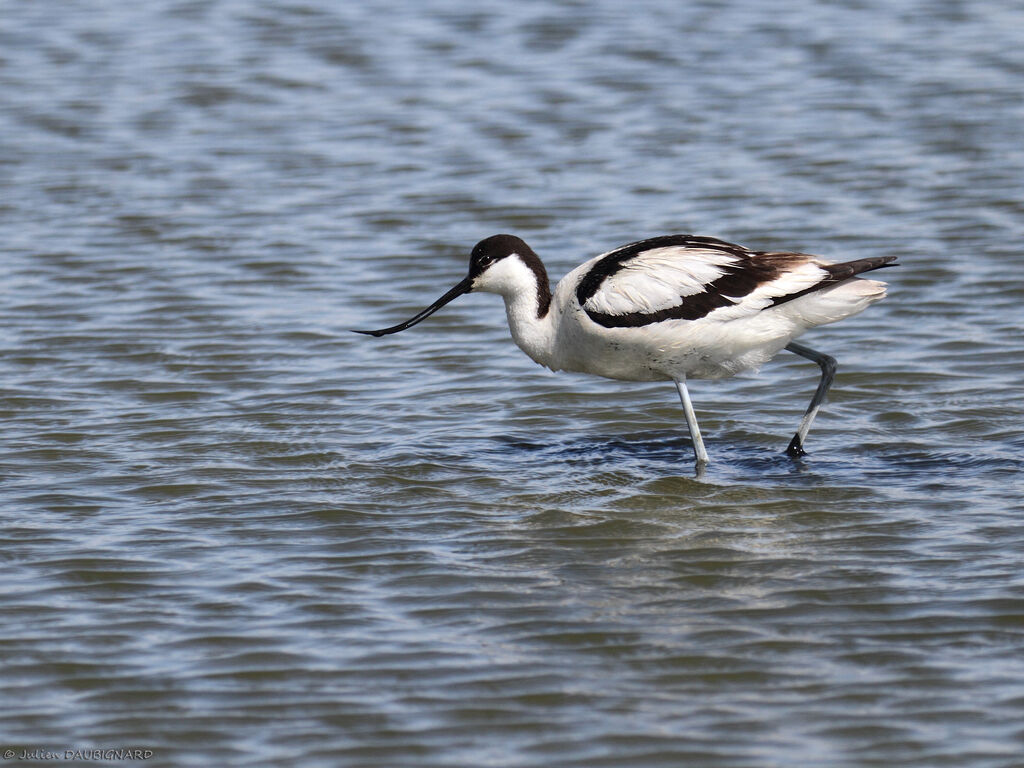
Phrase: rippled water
x=237 y=534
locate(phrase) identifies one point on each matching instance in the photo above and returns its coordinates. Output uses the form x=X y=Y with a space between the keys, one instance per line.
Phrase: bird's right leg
x=828 y=372
x=691 y=421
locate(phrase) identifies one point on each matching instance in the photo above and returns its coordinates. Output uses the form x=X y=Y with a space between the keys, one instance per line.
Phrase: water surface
x=237 y=534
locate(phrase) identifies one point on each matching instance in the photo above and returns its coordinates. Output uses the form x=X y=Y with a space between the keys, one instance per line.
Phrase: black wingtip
x=368 y=333
x=851 y=268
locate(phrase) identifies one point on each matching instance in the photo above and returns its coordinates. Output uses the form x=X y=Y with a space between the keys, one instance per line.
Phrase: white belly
x=666 y=352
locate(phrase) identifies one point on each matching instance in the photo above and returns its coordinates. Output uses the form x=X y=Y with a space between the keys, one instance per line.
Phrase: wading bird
x=669 y=308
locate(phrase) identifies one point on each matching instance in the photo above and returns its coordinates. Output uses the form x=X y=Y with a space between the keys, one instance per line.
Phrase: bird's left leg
x=828 y=372
x=691 y=421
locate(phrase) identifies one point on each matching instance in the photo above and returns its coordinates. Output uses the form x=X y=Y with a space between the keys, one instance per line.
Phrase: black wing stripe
x=692 y=308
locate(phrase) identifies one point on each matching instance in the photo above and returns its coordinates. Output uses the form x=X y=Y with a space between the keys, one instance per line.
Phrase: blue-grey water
x=236 y=534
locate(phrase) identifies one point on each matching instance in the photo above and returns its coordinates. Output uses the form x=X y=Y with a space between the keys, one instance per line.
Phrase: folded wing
x=686 y=277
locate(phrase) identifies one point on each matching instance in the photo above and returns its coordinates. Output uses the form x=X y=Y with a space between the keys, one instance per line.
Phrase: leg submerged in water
x=699 y=451
x=828 y=372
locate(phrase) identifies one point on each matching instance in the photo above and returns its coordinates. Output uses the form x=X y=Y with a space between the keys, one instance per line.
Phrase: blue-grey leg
x=828 y=372
x=691 y=421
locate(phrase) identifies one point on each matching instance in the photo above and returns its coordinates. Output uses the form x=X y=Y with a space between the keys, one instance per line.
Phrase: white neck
x=517 y=283
x=535 y=336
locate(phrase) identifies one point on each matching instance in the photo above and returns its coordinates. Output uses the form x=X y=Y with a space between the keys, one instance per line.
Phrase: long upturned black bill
x=464 y=287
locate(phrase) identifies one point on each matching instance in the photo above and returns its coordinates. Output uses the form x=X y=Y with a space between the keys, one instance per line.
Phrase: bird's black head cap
x=495 y=248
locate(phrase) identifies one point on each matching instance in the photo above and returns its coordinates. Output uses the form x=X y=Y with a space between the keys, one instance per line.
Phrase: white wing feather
x=657 y=278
